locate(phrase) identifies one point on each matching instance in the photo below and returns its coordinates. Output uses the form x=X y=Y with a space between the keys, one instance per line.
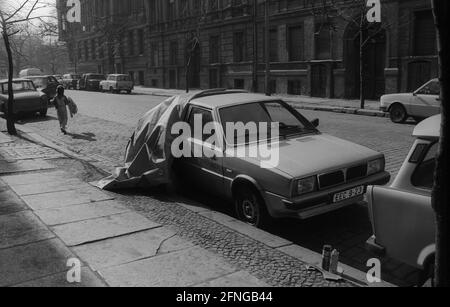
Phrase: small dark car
x=27 y=99
x=90 y=82
x=70 y=81
x=46 y=84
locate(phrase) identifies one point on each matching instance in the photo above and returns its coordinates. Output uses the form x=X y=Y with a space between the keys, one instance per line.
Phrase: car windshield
x=19 y=86
x=96 y=77
x=290 y=122
x=431 y=88
x=40 y=82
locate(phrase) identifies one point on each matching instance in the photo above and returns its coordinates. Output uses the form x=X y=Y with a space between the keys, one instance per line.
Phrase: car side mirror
x=315 y=123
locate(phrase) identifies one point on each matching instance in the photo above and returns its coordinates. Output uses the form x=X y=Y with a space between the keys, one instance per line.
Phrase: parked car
x=70 y=81
x=421 y=104
x=59 y=78
x=402 y=216
x=317 y=173
x=46 y=84
x=30 y=72
x=90 y=82
x=117 y=83
x=27 y=98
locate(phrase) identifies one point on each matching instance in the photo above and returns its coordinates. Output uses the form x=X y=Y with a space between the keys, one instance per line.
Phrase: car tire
x=398 y=114
x=250 y=207
x=427 y=278
x=129 y=92
x=111 y=90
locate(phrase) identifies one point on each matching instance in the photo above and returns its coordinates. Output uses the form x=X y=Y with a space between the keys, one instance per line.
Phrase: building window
x=131 y=42
x=214 y=47
x=273 y=45
x=295 y=41
x=323 y=42
x=425 y=42
x=141 y=77
x=294 y=87
x=94 y=49
x=214 y=78
x=239 y=84
x=154 y=55
x=173 y=51
x=86 y=50
x=141 y=40
x=238 y=47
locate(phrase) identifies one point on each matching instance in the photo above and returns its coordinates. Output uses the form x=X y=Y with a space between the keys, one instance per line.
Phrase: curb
x=301 y=106
x=309 y=257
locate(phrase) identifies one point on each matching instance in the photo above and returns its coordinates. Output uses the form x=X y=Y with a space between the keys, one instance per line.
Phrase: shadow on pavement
x=90 y=137
x=22 y=119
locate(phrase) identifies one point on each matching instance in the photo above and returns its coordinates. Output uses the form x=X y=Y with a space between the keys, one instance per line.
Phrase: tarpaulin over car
x=148 y=158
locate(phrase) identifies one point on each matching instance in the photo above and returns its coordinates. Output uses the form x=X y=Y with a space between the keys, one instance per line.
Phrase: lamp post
x=267 y=47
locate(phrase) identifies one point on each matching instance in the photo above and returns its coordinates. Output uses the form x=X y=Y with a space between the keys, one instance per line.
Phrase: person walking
x=61 y=103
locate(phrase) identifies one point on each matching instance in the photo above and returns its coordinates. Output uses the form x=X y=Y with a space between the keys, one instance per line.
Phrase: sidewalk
x=372 y=107
x=48 y=216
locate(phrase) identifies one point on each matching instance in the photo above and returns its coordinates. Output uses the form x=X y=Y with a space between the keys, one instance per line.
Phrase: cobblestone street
x=106 y=121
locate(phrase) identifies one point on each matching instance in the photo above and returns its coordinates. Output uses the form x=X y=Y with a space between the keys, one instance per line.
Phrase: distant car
x=317 y=173
x=402 y=215
x=59 y=78
x=90 y=82
x=27 y=99
x=421 y=104
x=47 y=84
x=70 y=81
x=117 y=83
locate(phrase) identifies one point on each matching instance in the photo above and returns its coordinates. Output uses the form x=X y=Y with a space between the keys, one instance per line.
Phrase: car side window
x=206 y=117
x=423 y=176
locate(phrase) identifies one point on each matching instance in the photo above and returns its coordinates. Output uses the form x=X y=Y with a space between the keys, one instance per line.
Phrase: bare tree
x=441 y=193
x=11 y=17
x=354 y=13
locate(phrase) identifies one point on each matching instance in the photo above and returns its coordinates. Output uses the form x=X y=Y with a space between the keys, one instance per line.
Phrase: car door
x=426 y=101
x=403 y=219
x=205 y=166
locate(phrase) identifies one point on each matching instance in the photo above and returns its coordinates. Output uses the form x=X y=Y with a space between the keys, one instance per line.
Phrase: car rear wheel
x=398 y=114
x=250 y=208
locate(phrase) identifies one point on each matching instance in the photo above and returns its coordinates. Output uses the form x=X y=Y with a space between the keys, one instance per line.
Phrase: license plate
x=348 y=194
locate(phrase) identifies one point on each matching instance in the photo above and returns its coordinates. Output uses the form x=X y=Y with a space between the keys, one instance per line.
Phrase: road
x=106 y=122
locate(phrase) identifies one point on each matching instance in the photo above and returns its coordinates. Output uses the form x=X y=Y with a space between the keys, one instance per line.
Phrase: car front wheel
x=250 y=208
x=398 y=114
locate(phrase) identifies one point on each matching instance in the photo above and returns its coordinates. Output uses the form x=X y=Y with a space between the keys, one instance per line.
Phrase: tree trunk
x=9 y=106
x=441 y=192
x=361 y=69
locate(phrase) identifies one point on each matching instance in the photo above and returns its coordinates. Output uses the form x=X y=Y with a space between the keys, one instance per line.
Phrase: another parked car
x=116 y=83
x=317 y=173
x=421 y=104
x=90 y=82
x=46 y=84
x=402 y=216
x=70 y=81
x=27 y=98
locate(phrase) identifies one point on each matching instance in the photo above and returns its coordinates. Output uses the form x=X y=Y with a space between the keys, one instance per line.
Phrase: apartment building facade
x=314 y=46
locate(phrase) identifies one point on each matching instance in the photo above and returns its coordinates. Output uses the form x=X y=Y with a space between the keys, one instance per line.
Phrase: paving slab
x=5 y=138
x=28 y=151
x=88 y=279
x=76 y=213
x=48 y=187
x=65 y=198
x=126 y=249
x=22 y=228
x=179 y=269
x=52 y=176
x=89 y=231
x=24 y=166
x=241 y=279
x=32 y=261
x=10 y=202
x=245 y=229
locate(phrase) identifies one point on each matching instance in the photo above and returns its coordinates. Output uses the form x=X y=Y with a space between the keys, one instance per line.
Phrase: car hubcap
x=249 y=210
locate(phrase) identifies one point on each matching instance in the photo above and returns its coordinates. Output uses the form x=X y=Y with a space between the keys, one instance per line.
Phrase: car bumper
x=384 y=109
x=320 y=202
